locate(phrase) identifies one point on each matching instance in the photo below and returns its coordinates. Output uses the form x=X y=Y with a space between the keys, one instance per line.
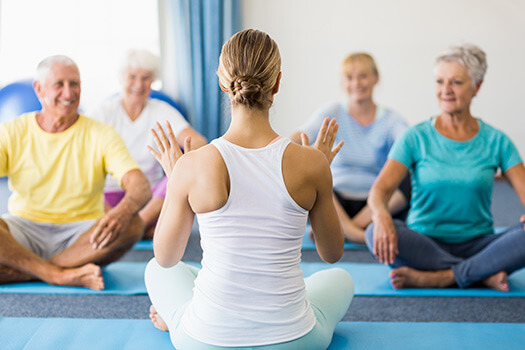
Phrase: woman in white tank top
x=252 y=192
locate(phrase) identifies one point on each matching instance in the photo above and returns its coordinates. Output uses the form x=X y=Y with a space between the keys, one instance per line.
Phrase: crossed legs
x=77 y=265
x=170 y=289
x=426 y=263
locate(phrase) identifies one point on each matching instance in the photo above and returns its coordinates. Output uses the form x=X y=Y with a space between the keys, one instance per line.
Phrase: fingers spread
x=154 y=153
x=337 y=148
x=162 y=136
x=321 y=137
x=157 y=140
x=187 y=144
x=171 y=135
x=304 y=139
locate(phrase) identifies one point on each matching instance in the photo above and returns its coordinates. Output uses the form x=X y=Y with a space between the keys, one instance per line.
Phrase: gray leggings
x=471 y=261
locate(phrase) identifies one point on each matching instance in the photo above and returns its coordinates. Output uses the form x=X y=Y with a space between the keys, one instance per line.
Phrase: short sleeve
x=4 y=150
x=403 y=148
x=176 y=119
x=117 y=160
x=508 y=153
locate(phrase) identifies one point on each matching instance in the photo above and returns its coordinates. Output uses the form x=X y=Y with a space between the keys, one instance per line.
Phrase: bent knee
x=343 y=279
x=136 y=227
x=369 y=236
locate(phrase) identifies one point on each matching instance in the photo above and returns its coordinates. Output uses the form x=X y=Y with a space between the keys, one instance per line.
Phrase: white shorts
x=45 y=239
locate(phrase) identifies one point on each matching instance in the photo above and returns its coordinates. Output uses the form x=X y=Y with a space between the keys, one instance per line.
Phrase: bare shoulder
x=305 y=172
x=203 y=176
x=306 y=159
x=200 y=159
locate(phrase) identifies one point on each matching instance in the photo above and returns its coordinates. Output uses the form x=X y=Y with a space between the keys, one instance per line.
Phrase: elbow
x=165 y=258
x=165 y=261
x=333 y=255
x=145 y=193
x=148 y=193
x=332 y=259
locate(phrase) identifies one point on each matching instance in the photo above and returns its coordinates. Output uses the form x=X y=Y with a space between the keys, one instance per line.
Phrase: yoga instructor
x=252 y=191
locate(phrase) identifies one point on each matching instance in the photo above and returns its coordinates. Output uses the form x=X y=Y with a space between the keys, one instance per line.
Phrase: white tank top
x=250 y=290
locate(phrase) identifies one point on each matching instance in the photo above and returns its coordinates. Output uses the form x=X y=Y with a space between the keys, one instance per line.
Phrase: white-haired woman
x=133 y=113
x=452 y=158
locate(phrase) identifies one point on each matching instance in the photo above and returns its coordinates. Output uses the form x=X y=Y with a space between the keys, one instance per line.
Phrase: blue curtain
x=200 y=29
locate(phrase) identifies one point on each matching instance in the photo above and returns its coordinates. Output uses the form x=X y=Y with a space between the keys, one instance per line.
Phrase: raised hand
x=169 y=150
x=325 y=139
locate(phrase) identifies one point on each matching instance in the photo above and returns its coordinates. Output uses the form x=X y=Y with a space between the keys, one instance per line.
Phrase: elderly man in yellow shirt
x=57 y=161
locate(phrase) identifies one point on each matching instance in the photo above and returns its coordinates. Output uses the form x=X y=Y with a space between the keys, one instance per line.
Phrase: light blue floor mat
x=127 y=278
x=428 y=336
x=80 y=334
x=145 y=244
x=139 y=334
x=372 y=280
x=121 y=278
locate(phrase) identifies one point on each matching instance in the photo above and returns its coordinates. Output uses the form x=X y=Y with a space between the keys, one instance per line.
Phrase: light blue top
x=452 y=181
x=357 y=165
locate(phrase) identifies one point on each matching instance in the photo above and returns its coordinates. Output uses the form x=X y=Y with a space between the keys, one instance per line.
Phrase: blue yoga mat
x=121 y=278
x=110 y=334
x=145 y=244
x=80 y=334
x=373 y=280
x=127 y=278
x=429 y=336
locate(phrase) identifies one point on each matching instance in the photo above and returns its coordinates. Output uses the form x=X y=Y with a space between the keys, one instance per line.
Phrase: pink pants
x=113 y=198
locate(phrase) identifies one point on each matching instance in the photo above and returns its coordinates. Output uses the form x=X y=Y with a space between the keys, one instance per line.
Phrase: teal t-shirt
x=451 y=180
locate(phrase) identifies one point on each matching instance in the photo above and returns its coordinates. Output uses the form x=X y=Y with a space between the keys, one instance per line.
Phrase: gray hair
x=44 y=67
x=140 y=59
x=469 y=56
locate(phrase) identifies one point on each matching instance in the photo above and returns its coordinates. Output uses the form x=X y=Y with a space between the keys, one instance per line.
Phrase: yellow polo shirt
x=59 y=177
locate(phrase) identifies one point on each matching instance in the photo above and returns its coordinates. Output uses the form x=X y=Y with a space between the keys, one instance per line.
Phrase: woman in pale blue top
x=448 y=238
x=368 y=131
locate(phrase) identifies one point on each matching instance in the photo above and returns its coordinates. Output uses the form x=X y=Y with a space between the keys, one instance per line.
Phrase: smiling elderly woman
x=133 y=114
x=452 y=158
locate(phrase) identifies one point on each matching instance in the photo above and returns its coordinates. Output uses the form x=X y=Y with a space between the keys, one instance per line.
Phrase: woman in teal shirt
x=452 y=158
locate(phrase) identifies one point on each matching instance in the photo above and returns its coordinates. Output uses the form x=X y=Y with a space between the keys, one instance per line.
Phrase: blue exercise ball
x=159 y=95
x=17 y=98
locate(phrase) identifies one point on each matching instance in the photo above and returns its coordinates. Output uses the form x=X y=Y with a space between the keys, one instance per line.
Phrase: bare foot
x=89 y=276
x=407 y=277
x=157 y=320
x=8 y=275
x=497 y=281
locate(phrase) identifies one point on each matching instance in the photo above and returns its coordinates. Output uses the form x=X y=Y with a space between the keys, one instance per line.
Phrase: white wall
x=94 y=33
x=404 y=36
